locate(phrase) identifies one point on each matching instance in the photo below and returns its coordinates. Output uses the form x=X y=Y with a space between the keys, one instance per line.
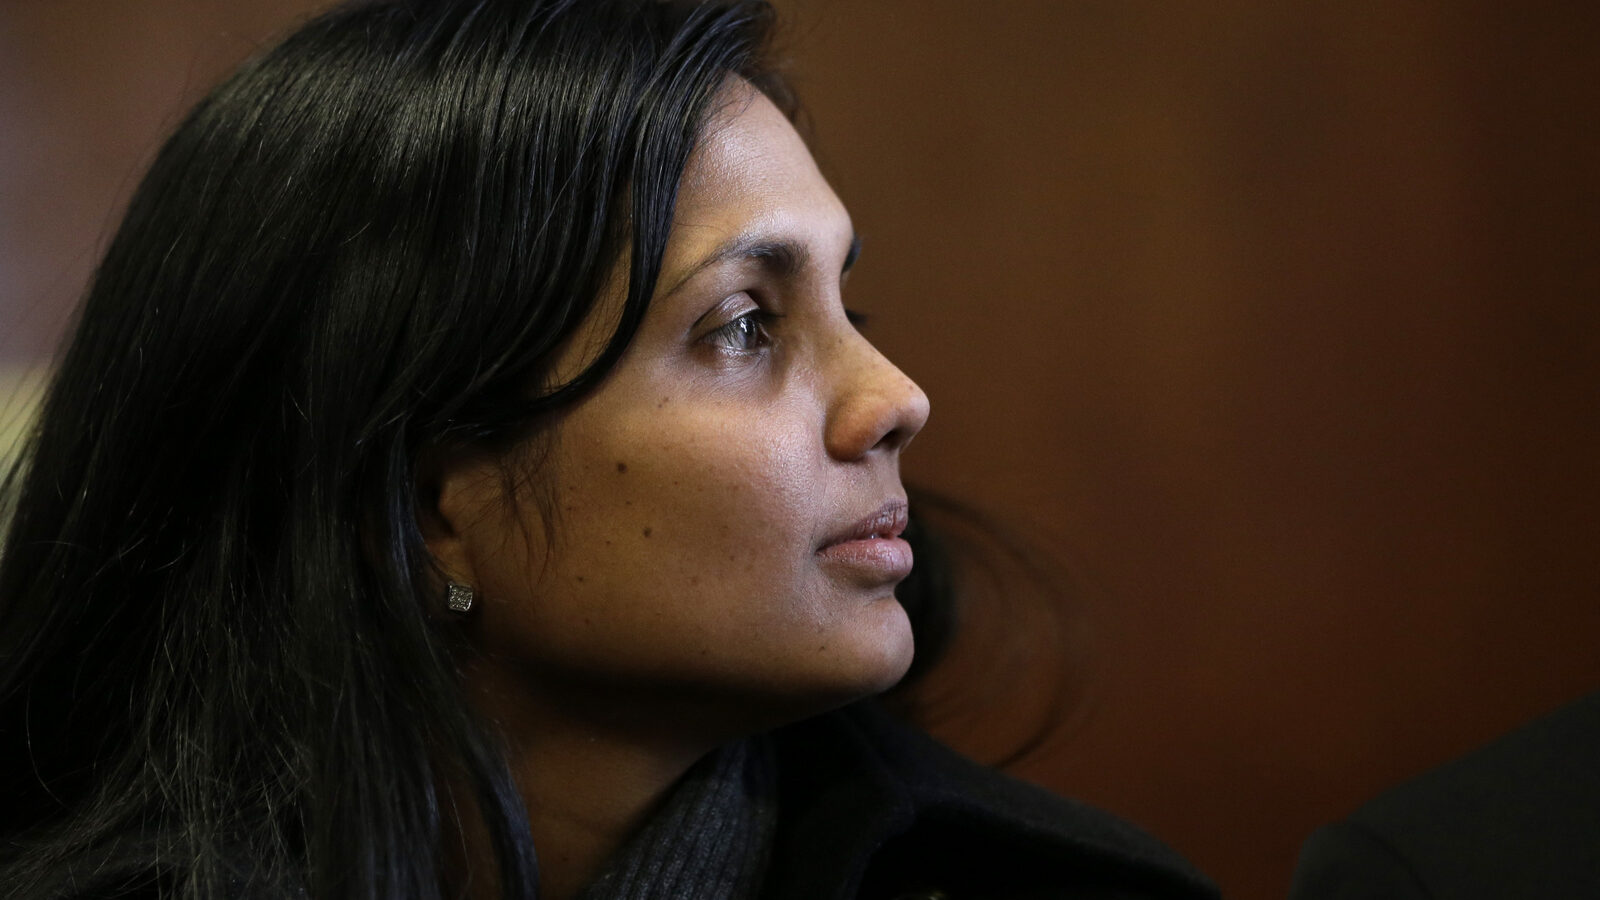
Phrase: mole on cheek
x=622 y=468
x=647 y=531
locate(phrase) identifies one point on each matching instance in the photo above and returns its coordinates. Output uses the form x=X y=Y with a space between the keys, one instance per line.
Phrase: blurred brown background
x=1277 y=323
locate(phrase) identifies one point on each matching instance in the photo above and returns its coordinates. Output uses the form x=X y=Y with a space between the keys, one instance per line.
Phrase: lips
x=888 y=522
x=872 y=548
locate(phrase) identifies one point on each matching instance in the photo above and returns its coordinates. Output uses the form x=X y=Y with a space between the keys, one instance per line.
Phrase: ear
x=457 y=495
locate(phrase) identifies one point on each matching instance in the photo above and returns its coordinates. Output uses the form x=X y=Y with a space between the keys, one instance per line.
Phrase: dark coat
x=1517 y=818
x=870 y=808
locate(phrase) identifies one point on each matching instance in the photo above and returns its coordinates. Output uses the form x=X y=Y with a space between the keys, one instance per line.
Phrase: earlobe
x=448 y=497
x=470 y=518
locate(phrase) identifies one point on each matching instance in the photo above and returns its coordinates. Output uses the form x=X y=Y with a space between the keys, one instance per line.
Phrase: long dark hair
x=218 y=670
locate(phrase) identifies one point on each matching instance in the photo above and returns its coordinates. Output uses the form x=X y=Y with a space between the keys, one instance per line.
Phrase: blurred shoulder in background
x=1517 y=818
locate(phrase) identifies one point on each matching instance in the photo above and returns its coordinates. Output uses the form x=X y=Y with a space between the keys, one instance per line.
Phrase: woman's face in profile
x=717 y=523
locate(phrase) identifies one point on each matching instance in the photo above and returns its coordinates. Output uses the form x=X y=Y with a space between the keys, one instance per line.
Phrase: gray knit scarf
x=709 y=840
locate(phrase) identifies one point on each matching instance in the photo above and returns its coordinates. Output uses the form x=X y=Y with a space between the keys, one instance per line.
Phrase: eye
x=748 y=333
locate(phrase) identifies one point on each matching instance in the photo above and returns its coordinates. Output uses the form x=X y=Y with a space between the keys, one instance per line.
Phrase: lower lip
x=886 y=558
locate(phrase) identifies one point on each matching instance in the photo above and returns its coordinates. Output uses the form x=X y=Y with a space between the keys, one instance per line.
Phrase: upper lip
x=887 y=522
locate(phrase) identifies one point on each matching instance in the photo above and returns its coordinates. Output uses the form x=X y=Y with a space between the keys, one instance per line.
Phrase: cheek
x=684 y=552
x=716 y=487
x=697 y=519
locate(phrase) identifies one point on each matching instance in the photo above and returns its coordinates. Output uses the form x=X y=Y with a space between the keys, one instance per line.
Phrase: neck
x=585 y=794
x=588 y=783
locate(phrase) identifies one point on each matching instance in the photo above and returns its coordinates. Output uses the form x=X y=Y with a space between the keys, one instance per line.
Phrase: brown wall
x=1277 y=323
x=1281 y=321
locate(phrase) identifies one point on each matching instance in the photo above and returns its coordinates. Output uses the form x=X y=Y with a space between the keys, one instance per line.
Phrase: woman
x=464 y=451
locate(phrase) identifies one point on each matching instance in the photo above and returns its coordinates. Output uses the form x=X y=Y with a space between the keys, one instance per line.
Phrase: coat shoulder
x=1515 y=818
x=914 y=818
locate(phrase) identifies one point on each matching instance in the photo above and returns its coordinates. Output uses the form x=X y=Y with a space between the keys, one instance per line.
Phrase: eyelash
x=732 y=335
x=747 y=334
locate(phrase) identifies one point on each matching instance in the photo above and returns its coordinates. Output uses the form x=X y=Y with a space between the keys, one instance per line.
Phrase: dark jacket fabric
x=1517 y=818
x=871 y=808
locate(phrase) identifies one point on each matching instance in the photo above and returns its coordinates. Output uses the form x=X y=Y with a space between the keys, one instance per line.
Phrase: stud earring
x=458 y=598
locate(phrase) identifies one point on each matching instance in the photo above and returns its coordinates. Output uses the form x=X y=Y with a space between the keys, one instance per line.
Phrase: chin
x=863 y=660
x=893 y=665
x=873 y=661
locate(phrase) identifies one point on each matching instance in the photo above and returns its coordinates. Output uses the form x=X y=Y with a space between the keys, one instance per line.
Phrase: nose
x=874 y=407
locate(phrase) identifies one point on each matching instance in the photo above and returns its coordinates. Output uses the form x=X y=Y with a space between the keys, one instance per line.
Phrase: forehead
x=750 y=170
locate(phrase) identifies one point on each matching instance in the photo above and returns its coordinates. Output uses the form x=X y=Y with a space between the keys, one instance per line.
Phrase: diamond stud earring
x=458 y=599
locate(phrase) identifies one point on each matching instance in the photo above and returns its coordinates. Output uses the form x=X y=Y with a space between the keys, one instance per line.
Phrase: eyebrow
x=783 y=256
